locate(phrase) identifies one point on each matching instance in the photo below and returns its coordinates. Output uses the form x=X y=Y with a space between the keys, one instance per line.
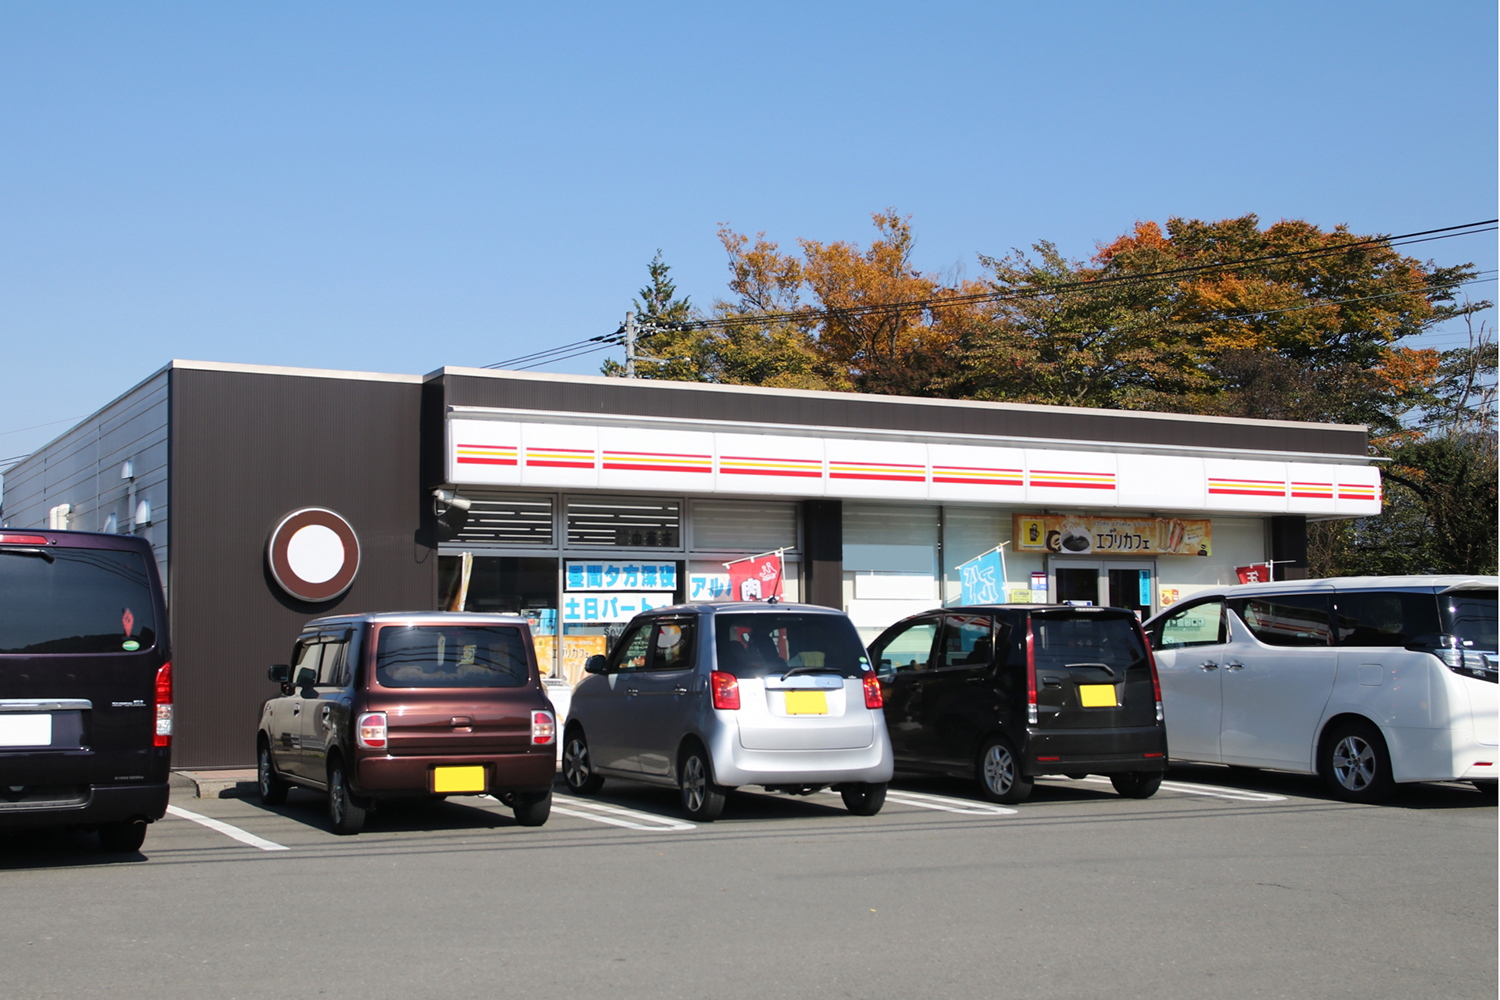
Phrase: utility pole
x=630 y=345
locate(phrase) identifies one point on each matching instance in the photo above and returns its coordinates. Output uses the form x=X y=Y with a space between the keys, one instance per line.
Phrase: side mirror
x=594 y=665
x=306 y=677
x=885 y=671
x=280 y=673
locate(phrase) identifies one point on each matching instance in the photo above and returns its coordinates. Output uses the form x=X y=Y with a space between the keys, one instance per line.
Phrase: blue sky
x=395 y=187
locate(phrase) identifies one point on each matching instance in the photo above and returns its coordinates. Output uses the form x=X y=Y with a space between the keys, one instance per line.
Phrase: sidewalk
x=217 y=784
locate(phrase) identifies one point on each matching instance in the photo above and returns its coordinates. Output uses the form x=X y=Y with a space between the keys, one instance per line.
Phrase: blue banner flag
x=983 y=578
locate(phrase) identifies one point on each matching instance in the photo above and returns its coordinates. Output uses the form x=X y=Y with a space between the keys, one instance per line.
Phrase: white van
x=1367 y=681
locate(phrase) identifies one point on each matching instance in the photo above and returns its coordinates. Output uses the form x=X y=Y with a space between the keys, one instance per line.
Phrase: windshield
x=760 y=645
x=1061 y=640
x=1471 y=615
x=82 y=601
x=450 y=656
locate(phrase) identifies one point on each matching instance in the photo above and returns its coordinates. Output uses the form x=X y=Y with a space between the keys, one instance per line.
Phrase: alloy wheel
x=264 y=766
x=999 y=770
x=694 y=782
x=1354 y=763
x=336 y=795
x=576 y=763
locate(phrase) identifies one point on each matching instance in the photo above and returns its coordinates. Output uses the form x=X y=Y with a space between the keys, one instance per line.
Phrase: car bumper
x=532 y=771
x=1100 y=751
x=734 y=765
x=1440 y=754
x=85 y=806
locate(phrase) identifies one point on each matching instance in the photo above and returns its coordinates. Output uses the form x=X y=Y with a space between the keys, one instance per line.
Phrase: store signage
x=757 y=578
x=1066 y=534
x=595 y=574
x=983 y=578
x=1254 y=573
x=708 y=586
x=578 y=608
x=313 y=554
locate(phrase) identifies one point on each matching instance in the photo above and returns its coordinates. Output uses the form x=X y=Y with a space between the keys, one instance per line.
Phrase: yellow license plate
x=806 y=703
x=449 y=780
x=1097 y=695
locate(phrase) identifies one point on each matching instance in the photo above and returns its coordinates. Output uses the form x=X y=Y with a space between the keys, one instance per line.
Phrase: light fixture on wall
x=143 y=513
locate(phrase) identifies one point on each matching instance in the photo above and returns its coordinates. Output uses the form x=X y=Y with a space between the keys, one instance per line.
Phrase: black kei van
x=1006 y=693
x=85 y=685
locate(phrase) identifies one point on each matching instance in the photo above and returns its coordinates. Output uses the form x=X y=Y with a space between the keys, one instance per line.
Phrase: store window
x=515 y=520
x=743 y=526
x=624 y=522
x=506 y=585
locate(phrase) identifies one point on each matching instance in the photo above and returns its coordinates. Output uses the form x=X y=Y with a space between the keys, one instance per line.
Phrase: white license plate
x=18 y=730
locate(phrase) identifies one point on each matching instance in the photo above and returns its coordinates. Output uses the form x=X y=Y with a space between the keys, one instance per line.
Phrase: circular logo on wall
x=313 y=554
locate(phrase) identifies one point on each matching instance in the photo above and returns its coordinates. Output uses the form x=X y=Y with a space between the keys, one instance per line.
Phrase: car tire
x=125 y=837
x=702 y=800
x=346 y=813
x=864 y=798
x=578 y=765
x=998 y=770
x=1355 y=764
x=532 y=808
x=1136 y=784
x=272 y=789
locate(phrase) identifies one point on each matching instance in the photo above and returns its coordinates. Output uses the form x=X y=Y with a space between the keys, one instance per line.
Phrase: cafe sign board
x=1070 y=535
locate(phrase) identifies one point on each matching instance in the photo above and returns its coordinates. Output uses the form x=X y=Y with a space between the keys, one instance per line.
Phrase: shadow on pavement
x=1420 y=795
x=310 y=808
x=23 y=849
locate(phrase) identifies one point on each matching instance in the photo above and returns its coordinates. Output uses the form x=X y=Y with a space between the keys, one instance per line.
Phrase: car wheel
x=272 y=789
x=864 y=798
x=1355 y=764
x=532 y=808
x=346 y=814
x=999 y=773
x=702 y=800
x=124 y=837
x=578 y=765
x=1136 y=784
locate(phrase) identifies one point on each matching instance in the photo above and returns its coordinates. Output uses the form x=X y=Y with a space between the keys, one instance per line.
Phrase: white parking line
x=615 y=816
x=963 y=807
x=1232 y=794
x=233 y=832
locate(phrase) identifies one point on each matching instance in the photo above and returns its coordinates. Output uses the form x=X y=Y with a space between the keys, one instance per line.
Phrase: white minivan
x=1366 y=681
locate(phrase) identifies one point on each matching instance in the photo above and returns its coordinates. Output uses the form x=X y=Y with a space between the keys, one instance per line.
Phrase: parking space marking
x=232 y=832
x=616 y=816
x=1232 y=794
x=941 y=803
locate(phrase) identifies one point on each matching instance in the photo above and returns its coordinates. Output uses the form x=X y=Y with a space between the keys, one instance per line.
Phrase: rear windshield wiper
x=1101 y=666
x=28 y=552
x=811 y=670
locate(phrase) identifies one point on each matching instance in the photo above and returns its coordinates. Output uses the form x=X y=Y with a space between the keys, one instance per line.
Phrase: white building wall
x=82 y=468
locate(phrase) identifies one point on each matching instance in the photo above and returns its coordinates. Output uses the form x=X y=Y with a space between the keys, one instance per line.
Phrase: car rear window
x=1471 y=615
x=1070 y=640
x=1384 y=617
x=451 y=656
x=760 y=645
x=81 y=601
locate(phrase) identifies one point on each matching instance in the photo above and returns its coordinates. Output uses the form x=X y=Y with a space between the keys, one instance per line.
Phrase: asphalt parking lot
x=1223 y=885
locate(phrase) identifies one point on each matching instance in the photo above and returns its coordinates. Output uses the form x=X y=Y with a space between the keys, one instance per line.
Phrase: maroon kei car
x=421 y=704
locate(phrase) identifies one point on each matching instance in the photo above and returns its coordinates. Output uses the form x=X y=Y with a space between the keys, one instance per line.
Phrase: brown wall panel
x=247 y=449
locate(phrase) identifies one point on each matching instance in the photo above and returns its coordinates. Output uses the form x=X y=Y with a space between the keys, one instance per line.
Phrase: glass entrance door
x=1076 y=582
x=1123 y=583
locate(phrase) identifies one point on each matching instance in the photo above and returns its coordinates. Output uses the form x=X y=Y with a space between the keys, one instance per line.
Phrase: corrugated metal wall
x=247 y=449
x=82 y=468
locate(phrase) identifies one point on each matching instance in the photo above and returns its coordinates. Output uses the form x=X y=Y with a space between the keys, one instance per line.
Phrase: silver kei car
x=707 y=697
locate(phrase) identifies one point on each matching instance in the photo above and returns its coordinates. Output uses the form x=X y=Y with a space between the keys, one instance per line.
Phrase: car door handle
x=1051 y=682
x=296 y=709
x=632 y=692
x=679 y=689
x=327 y=710
x=1235 y=666
x=1210 y=665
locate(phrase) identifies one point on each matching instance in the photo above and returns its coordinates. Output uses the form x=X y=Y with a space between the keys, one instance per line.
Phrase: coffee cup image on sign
x=750 y=589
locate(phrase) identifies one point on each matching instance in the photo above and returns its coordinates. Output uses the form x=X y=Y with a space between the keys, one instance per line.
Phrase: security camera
x=451 y=511
x=444 y=499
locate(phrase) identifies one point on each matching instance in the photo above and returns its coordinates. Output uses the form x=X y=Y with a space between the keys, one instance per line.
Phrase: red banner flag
x=1254 y=573
x=757 y=579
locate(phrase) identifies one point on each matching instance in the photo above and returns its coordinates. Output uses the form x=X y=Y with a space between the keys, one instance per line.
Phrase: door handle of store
x=1210 y=665
x=1235 y=666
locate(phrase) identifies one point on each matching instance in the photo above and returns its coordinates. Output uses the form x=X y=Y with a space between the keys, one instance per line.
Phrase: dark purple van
x=85 y=685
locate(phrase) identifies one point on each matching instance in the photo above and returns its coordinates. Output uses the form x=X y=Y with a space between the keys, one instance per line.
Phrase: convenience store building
x=580 y=500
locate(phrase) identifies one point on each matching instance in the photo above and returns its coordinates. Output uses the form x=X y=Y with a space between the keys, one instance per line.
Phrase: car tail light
x=1155 y=680
x=369 y=730
x=163 y=735
x=726 y=688
x=1031 y=715
x=23 y=539
x=1462 y=661
x=543 y=728
x=873 y=697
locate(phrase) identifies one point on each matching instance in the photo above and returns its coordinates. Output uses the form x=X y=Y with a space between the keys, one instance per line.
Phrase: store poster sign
x=983 y=578
x=576 y=650
x=755 y=579
x=596 y=608
x=1068 y=534
x=597 y=574
x=708 y=586
x=1254 y=573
